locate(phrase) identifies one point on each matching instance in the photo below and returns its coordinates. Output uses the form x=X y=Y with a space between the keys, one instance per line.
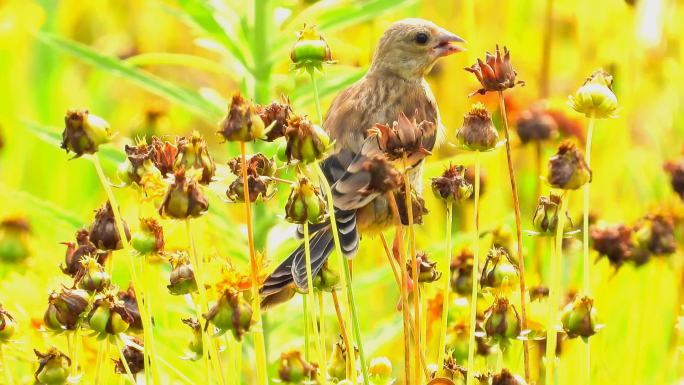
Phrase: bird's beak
x=446 y=44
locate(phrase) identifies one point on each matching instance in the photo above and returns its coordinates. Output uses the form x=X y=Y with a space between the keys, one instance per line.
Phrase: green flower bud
x=65 y=309
x=182 y=278
x=93 y=277
x=579 y=318
x=84 y=132
x=499 y=272
x=193 y=154
x=326 y=279
x=150 y=238
x=501 y=321
x=294 y=370
x=310 y=50
x=109 y=316
x=53 y=367
x=567 y=169
x=427 y=270
x=195 y=345
x=8 y=326
x=305 y=203
x=380 y=371
x=452 y=186
x=545 y=218
x=478 y=132
x=306 y=142
x=242 y=124
x=462 y=273
x=337 y=365
x=231 y=313
x=184 y=199
x=103 y=231
x=595 y=98
x=14 y=240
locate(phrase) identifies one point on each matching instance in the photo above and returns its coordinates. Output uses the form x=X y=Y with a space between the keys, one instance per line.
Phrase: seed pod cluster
x=242 y=124
x=184 y=199
x=305 y=203
x=499 y=273
x=260 y=173
x=194 y=154
x=230 y=313
x=84 y=132
x=502 y=322
x=545 y=220
x=580 y=318
x=109 y=316
x=305 y=141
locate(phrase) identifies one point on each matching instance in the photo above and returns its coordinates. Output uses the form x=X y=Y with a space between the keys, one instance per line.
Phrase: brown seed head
x=496 y=73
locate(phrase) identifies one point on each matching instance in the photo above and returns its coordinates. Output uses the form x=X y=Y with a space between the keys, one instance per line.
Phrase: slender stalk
x=446 y=288
x=476 y=258
x=127 y=369
x=345 y=336
x=399 y=241
x=310 y=294
x=321 y=318
x=554 y=293
x=538 y=241
x=518 y=230
x=106 y=361
x=5 y=366
x=305 y=308
x=585 y=245
x=546 y=50
x=347 y=275
x=311 y=72
x=260 y=346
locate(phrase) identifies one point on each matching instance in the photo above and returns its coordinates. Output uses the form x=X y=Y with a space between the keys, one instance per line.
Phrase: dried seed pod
x=260 y=188
x=93 y=277
x=14 y=240
x=103 y=231
x=452 y=185
x=257 y=165
x=294 y=369
x=109 y=316
x=405 y=139
x=595 y=98
x=275 y=117
x=306 y=142
x=579 y=318
x=242 y=124
x=8 y=326
x=478 y=132
x=194 y=154
x=164 y=155
x=75 y=254
x=496 y=72
x=417 y=203
x=184 y=199
x=499 y=272
x=310 y=50
x=676 y=171
x=231 y=313
x=182 y=279
x=195 y=345
x=65 y=309
x=536 y=124
x=138 y=163
x=462 y=272
x=130 y=303
x=617 y=244
x=568 y=169
x=150 y=238
x=545 y=218
x=507 y=378
x=502 y=322
x=305 y=203
x=427 y=270
x=655 y=233
x=84 y=132
x=135 y=359
x=53 y=367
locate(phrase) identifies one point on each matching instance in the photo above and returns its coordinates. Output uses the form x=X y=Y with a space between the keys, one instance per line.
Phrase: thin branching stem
x=554 y=292
x=585 y=244
x=310 y=293
x=476 y=258
x=518 y=231
x=446 y=287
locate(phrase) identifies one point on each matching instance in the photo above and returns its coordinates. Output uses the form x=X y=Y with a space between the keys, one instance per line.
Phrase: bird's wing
x=353 y=189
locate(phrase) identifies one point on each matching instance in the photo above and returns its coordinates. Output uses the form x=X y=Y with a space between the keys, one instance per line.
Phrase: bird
x=394 y=85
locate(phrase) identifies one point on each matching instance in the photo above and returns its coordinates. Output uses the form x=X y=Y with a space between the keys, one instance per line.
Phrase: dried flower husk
x=545 y=218
x=84 y=132
x=580 y=318
x=243 y=123
x=427 y=270
x=505 y=377
x=194 y=154
x=499 y=272
x=109 y=316
x=257 y=165
x=164 y=155
x=150 y=238
x=14 y=240
x=76 y=252
x=617 y=243
x=261 y=188
x=676 y=171
x=275 y=117
x=496 y=72
x=8 y=326
x=65 y=309
x=595 y=98
x=130 y=303
x=478 y=132
x=462 y=272
x=53 y=367
x=138 y=163
x=306 y=142
x=655 y=233
x=502 y=322
x=452 y=185
x=195 y=344
x=294 y=369
x=182 y=279
x=135 y=359
x=184 y=199
x=567 y=168
x=231 y=313
x=103 y=231
x=93 y=278
x=310 y=50
x=536 y=124
x=305 y=203
x=405 y=139
x=417 y=203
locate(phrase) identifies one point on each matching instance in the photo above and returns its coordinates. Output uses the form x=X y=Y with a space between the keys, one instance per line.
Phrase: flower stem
x=310 y=295
x=518 y=228
x=345 y=337
x=554 y=293
x=312 y=74
x=120 y=346
x=305 y=308
x=446 y=288
x=476 y=257
x=5 y=366
x=585 y=244
x=321 y=317
x=260 y=346
x=347 y=275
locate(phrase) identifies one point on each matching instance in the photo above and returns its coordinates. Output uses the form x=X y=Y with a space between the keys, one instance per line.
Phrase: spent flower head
x=65 y=309
x=230 y=313
x=8 y=326
x=499 y=273
x=567 y=168
x=305 y=203
x=452 y=186
x=579 y=318
x=502 y=322
x=242 y=124
x=495 y=73
x=84 y=132
x=182 y=279
x=545 y=219
x=478 y=132
x=294 y=369
x=103 y=231
x=275 y=117
x=306 y=142
x=536 y=124
x=15 y=243
x=194 y=154
x=184 y=198
x=109 y=316
x=427 y=270
x=130 y=303
x=138 y=163
x=53 y=367
x=135 y=359
x=149 y=239
x=405 y=138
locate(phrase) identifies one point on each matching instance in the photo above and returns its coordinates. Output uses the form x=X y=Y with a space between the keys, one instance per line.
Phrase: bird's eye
x=421 y=38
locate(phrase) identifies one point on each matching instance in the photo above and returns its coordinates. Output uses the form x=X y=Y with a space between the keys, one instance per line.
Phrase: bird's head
x=410 y=47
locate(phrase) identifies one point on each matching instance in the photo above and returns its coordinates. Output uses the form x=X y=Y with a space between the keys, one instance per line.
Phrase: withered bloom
x=7 y=325
x=260 y=188
x=616 y=244
x=184 y=199
x=536 y=124
x=65 y=309
x=462 y=272
x=84 y=132
x=405 y=139
x=294 y=369
x=305 y=203
x=103 y=231
x=138 y=163
x=242 y=124
x=130 y=303
x=676 y=171
x=194 y=154
x=417 y=204
x=275 y=117
x=306 y=142
x=150 y=237
x=109 y=316
x=257 y=164
x=427 y=270
x=499 y=272
x=163 y=155
x=182 y=278
x=496 y=73
x=231 y=313
x=579 y=318
x=14 y=240
x=195 y=345
x=134 y=358
x=478 y=132
x=76 y=252
x=452 y=185
x=655 y=233
x=53 y=367
x=502 y=321
x=507 y=378
x=567 y=168
x=545 y=218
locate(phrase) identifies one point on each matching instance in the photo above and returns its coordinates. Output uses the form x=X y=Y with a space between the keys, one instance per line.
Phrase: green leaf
x=174 y=93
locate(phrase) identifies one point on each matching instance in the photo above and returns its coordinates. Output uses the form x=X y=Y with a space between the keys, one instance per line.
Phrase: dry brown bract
x=404 y=138
x=496 y=73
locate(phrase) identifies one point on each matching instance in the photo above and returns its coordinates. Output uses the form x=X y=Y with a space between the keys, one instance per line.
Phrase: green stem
x=307 y=349
x=585 y=244
x=321 y=317
x=347 y=276
x=518 y=231
x=312 y=73
x=5 y=366
x=120 y=346
x=310 y=295
x=446 y=288
x=260 y=346
x=554 y=292
x=476 y=257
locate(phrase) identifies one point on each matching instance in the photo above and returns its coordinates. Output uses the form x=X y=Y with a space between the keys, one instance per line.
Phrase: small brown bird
x=394 y=84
